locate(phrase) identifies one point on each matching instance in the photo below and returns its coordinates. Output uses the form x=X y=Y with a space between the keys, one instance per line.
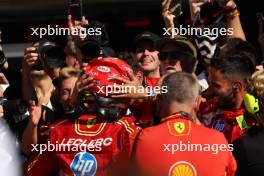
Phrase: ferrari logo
x=91 y=122
x=179 y=127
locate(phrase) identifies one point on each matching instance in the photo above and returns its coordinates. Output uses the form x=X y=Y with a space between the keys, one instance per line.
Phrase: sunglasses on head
x=174 y=55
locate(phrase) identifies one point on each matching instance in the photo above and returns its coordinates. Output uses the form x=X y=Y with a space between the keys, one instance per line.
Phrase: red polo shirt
x=160 y=150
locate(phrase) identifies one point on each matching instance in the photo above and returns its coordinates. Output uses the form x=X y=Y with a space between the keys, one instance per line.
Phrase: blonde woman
x=249 y=149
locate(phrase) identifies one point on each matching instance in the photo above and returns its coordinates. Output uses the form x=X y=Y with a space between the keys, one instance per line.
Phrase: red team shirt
x=94 y=147
x=144 y=111
x=224 y=121
x=154 y=148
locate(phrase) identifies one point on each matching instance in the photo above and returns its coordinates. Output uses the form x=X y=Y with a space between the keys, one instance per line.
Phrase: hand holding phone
x=75 y=9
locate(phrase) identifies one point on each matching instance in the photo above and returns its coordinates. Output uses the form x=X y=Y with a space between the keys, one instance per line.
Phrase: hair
x=236 y=46
x=255 y=86
x=234 y=67
x=65 y=73
x=68 y=72
x=188 y=64
x=182 y=88
x=131 y=60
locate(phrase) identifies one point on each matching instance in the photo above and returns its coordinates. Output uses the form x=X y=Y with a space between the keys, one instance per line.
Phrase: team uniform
x=91 y=147
x=144 y=111
x=231 y=123
x=151 y=81
x=158 y=143
x=99 y=141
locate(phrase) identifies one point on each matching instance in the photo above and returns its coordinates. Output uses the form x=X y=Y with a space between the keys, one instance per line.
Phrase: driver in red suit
x=97 y=142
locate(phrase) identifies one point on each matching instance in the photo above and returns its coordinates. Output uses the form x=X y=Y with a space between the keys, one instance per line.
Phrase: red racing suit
x=178 y=146
x=85 y=146
x=224 y=121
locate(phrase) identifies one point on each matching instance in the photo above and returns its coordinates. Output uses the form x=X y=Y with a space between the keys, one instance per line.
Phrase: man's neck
x=153 y=74
x=177 y=109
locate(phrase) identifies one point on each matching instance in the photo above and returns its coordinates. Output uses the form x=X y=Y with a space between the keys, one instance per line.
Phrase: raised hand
x=133 y=87
x=35 y=112
x=169 y=14
x=77 y=26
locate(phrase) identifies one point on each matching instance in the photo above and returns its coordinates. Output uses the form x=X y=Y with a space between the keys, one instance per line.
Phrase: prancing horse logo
x=179 y=127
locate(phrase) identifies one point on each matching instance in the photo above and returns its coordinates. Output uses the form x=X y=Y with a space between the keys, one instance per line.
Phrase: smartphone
x=76 y=9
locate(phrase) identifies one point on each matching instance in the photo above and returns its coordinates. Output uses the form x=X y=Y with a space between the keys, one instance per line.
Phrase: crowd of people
x=77 y=107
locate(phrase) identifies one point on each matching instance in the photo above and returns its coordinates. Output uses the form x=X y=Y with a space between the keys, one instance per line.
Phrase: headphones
x=251 y=103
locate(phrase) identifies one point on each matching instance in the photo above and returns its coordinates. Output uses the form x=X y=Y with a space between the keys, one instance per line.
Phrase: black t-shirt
x=14 y=91
x=249 y=153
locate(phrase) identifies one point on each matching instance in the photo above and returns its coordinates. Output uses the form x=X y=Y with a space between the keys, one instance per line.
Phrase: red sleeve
x=44 y=164
x=41 y=165
x=120 y=162
x=131 y=129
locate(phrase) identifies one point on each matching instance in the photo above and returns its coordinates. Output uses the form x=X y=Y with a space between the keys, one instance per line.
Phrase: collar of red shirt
x=176 y=115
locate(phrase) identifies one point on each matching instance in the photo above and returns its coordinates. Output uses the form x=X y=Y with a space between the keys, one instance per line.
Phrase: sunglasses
x=174 y=55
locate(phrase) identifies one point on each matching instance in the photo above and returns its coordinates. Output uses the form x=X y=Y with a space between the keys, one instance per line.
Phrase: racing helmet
x=102 y=70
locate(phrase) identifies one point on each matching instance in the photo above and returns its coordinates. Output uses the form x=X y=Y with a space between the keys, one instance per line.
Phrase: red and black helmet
x=102 y=70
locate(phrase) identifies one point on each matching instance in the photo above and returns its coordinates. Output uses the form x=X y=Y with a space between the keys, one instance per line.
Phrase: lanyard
x=180 y=114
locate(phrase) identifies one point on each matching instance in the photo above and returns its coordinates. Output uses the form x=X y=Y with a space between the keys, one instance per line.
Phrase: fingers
x=164 y=2
x=199 y=4
x=87 y=87
x=173 y=9
x=166 y=5
x=31 y=60
x=84 y=83
x=121 y=96
x=30 y=56
x=88 y=82
x=70 y=23
x=120 y=79
x=30 y=49
x=83 y=66
x=84 y=21
x=131 y=76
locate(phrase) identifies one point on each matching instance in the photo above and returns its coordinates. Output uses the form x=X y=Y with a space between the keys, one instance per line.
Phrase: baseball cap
x=149 y=36
x=180 y=41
